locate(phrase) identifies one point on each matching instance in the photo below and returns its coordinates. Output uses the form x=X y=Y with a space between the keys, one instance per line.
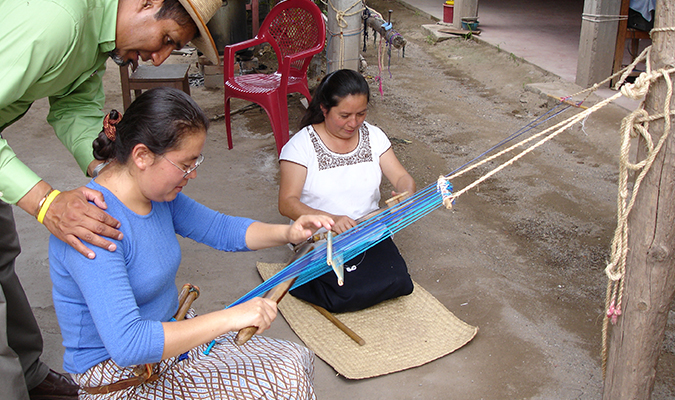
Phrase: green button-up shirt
x=55 y=49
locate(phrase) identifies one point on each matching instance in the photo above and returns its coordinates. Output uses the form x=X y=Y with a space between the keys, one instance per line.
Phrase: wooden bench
x=144 y=77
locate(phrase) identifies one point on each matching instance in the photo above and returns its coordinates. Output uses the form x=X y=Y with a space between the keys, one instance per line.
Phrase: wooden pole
x=636 y=340
x=597 y=41
x=343 y=35
x=390 y=35
x=463 y=9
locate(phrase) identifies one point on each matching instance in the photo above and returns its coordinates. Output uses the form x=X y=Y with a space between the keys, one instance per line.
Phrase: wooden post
x=597 y=41
x=391 y=36
x=343 y=47
x=636 y=341
x=463 y=9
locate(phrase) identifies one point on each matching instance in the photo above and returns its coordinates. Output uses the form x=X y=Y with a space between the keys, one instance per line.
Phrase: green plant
x=430 y=39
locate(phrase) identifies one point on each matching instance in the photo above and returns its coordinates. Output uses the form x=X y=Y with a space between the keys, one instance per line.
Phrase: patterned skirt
x=262 y=368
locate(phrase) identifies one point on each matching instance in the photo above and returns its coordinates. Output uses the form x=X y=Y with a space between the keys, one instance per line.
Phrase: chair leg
x=278 y=130
x=304 y=90
x=228 y=127
x=280 y=125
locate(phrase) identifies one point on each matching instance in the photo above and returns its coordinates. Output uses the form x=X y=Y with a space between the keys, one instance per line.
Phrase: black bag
x=637 y=21
x=377 y=274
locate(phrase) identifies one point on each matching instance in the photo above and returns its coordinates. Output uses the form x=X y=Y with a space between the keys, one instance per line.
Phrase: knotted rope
x=341 y=14
x=634 y=125
x=342 y=24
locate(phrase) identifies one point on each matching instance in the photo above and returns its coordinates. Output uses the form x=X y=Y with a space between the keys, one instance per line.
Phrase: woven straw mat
x=383 y=327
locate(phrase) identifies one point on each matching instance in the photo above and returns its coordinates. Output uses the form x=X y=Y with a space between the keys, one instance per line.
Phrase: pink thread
x=613 y=312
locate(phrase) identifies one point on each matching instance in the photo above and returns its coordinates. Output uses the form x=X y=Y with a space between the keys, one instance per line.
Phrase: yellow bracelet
x=46 y=204
x=42 y=201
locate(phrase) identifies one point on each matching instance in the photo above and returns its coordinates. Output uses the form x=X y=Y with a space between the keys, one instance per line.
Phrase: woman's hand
x=258 y=312
x=181 y=336
x=306 y=225
x=343 y=223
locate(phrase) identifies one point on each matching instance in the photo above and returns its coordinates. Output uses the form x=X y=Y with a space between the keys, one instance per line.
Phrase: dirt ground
x=521 y=256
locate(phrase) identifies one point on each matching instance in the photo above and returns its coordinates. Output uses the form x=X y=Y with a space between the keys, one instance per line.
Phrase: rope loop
x=639 y=89
x=341 y=14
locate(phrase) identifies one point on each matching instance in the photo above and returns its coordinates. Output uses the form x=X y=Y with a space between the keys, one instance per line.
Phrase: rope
x=342 y=24
x=380 y=57
x=370 y=232
x=380 y=54
x=341 y=14
x=341 y=53
x=562 y=126
x=636 y=123
x=603 y=17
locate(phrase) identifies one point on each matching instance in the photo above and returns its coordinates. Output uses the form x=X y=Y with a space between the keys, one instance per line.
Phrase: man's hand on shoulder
x=72 y=218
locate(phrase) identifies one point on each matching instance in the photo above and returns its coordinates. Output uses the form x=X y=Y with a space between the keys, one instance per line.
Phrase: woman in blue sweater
x=115 y=310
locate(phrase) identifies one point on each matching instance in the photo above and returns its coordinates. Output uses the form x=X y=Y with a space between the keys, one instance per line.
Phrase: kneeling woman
x=333 y=166
x=115 y=310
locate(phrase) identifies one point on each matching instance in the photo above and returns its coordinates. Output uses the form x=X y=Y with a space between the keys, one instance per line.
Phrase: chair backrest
x=293 y=26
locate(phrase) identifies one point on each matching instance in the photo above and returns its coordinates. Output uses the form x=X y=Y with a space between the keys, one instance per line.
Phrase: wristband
x=42 y=201
x=45 y=206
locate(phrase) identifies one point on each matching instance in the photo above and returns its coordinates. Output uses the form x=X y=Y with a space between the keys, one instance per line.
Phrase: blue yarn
x=351 y=242
x=377 y=228
x=372 y=231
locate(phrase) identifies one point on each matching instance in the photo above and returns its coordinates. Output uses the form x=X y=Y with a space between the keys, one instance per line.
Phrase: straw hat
x=201 y=12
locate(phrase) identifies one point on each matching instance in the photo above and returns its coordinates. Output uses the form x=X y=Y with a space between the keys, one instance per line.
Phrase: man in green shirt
x=57 y=49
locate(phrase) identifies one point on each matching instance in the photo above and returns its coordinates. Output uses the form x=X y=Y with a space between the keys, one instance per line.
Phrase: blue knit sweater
x=113 y=306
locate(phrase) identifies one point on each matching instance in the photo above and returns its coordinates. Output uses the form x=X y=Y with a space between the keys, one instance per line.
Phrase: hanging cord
x=636 y=123
x=341 y=55
x=380 y=51
x=387 y=44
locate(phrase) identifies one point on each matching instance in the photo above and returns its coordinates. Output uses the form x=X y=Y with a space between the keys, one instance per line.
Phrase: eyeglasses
x=187 y=172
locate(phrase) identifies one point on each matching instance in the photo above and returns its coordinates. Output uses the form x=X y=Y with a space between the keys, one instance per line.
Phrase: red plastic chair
x=296 y=31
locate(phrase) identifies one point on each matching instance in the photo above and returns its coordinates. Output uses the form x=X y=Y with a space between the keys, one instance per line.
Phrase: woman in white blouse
x=333 y=166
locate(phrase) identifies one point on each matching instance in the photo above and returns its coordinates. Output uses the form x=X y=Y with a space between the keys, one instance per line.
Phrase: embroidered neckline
x=327 y=159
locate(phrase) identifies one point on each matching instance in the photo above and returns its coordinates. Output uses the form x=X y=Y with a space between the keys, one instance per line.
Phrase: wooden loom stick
x=396 y=199
x=335 y=263
x=344 y=328
x=276 y=294
x=188 y=294
x=569 y=103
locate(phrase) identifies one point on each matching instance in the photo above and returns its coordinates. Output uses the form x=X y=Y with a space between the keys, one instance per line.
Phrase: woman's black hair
x=159 y=118
x=331 y=90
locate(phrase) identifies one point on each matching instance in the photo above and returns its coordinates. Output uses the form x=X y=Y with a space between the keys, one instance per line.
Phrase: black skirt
x=377 y=274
